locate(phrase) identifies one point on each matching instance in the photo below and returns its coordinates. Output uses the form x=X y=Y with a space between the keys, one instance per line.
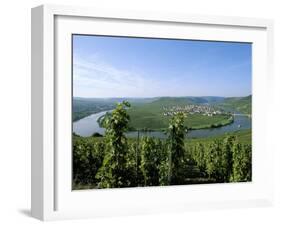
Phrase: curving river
x=87 y=126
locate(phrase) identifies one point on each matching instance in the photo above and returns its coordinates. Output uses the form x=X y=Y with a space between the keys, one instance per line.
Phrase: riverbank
x=193 y=122
x=89 y=125
x=215 y=125
x=223 y=122
x=76 y=116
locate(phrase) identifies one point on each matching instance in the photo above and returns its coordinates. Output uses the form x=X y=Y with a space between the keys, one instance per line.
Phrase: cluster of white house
x=192 y=109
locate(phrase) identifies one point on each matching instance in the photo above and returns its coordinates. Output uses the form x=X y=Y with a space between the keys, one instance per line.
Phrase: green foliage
x=114 y=171
x=134 y=164
x=164 y=165
x=213 y=161
x=227 y=161
x=154 y=162
x=224 y=160
x=150 y=160
x=242 y=163
x=87 y=159
x=199 y=156
x=176 y=131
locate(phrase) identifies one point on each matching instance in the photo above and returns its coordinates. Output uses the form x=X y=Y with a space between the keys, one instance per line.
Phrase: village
x=206 y=110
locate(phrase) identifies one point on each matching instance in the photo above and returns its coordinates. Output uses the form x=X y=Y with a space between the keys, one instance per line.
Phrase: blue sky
x=137 y=67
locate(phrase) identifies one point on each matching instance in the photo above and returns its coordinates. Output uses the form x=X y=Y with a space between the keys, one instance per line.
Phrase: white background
x=15 y=112
x=109 y=203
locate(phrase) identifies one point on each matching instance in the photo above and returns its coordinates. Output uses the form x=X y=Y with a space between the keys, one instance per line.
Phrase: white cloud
x=94 y=78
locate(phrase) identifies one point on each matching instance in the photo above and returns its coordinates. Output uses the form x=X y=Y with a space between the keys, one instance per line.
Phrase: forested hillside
x=83 y=107
x=239 y=104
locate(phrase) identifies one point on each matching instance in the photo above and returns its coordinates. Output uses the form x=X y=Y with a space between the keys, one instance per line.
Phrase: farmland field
x=151 y=117
x=147 y=113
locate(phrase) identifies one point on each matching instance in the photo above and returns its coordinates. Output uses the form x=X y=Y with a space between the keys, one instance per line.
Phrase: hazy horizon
x=157 y=97
x=106 y=67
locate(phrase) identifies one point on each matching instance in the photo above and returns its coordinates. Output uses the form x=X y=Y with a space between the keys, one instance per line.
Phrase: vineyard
x=115 y=161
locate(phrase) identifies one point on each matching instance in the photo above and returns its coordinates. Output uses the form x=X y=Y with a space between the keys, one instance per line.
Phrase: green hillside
x=148 y=112
x=171 y=101
x=83 y=107
x=239 y=104
x=182 y=101
x=150 y=116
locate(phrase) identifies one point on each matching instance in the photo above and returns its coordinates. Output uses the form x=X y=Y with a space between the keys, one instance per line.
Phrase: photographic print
x=160 y=112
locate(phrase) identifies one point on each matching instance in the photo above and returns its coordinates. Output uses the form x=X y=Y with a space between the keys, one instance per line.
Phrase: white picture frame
x=52 y=197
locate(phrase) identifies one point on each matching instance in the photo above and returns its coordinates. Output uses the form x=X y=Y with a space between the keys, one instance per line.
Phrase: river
x=87 y=126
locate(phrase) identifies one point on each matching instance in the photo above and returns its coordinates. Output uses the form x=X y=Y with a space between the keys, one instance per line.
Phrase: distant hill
x=171 y=101
x=181 y=101
x=213 y=99
x=113 y=100
x=238 y=104
x=83 y=107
